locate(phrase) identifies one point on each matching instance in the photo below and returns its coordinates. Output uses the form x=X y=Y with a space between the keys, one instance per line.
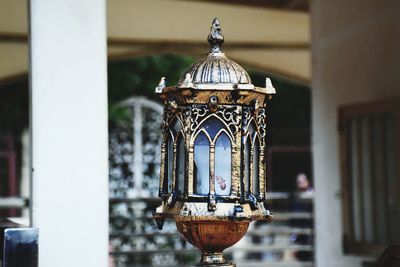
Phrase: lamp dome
x=216 y=68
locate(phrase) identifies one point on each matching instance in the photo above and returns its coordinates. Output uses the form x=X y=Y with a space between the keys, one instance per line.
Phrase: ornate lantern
x=212 y=178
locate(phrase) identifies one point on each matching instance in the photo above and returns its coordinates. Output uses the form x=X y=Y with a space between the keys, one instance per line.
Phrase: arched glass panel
x=223 y=160
x=201 y=164
x=256 y=168
x=169 y=159
x=252 y=130
x=177 y=126
x=212 y=126
x=180 y=165
x=247 y=154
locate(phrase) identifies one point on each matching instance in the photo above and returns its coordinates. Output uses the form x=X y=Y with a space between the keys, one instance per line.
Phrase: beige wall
x=270 y=39
x=355 y=57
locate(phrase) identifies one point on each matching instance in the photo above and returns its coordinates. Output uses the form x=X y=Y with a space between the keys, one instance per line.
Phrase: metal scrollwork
x=198 y=113
x=231 y=115
x=261 y=121
x=246 y=118
x=212 y=160
x=167 y=116
x=170 y=114
x=185 y=117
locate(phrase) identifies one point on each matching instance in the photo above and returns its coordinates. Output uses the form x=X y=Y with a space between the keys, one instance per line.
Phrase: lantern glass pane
x=177 y=126
x=180 y=165
x=246 y=174
x=223 y=159
x=256 y=167
x=202 y=164
x=252 y=130
x=212 y=126
x=170 y=156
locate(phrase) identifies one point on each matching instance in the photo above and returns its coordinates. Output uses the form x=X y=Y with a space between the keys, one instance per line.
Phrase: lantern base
x=214 y=259
x=226 y=264
x=211 y=231
x=211 y=235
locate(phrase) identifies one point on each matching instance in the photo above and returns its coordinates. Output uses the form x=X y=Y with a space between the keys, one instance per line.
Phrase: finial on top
x=215 y=38
x=270 y=89
x=161 y=85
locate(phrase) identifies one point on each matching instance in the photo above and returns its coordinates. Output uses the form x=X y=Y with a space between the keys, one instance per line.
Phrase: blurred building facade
x=355 y=59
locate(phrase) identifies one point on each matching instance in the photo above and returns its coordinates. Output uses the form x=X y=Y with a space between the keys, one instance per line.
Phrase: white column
x=69 y=131
x=138 y=144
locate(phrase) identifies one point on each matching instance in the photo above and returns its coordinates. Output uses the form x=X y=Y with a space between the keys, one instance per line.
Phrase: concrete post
x=68 y=77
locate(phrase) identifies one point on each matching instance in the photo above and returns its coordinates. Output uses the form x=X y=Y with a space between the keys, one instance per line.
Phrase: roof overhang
x=269 y=39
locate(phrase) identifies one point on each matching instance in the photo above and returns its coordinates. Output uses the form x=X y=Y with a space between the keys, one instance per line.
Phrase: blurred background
x=332 y=156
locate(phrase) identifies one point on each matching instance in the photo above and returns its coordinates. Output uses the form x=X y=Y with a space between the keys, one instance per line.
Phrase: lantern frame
x=214 y=88
x=236 y=120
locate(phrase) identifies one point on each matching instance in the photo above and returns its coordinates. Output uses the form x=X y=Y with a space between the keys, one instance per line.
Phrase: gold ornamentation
x=261 y=122
x=231 y=116
x=214 y=97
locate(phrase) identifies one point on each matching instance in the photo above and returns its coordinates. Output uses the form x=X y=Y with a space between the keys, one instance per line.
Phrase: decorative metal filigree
x=246 y=119
x=198 y=113
x=231 y=116
x=167 y=117
x=215 y=97
x=261 y=119
x=184 y=116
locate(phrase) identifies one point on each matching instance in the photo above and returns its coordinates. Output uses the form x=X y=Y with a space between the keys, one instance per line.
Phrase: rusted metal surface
x=214 y=98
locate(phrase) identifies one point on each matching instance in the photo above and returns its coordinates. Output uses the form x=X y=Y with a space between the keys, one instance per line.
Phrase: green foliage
x=140 y=76
x=291 y=106
x=118 y=116
x=14 y=107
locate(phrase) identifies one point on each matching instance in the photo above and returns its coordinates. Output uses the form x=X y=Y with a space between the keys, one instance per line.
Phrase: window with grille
x=370 y=175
